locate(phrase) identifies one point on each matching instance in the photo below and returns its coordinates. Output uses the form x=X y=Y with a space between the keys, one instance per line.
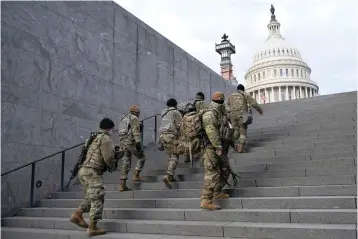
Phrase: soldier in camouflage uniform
x=216 y=168
x=199 y=104
x=237 y=104
x=169 y=134
x=100 y=156
x=129 y=138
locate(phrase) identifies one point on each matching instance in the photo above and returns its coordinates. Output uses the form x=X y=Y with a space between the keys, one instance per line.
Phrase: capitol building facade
x=278 y=71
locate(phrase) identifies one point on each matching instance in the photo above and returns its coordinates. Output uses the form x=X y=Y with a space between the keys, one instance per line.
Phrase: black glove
x=138 y=146
x=140 y=127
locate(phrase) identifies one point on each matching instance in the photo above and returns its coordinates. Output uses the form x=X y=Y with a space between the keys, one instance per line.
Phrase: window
x=301 y=74
x=292 y=73
x=273 y=52
x=275 y=73
x=263 y=75
x=255 y=78
x=259 y=76
x=279 y=51
x=269 y=73
x=281 y=74
x=286 y=72
x=297 y=75
x=305 y=74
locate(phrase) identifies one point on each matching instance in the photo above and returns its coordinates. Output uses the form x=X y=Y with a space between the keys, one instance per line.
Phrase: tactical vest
x=94 y=158
x=124 y=127
x=167 y=123
x=238 y=102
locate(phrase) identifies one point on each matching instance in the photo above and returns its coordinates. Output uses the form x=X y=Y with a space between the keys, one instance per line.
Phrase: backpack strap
x=167 y=112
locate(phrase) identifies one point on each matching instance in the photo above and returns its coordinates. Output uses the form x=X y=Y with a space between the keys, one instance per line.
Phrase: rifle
x=82 y=156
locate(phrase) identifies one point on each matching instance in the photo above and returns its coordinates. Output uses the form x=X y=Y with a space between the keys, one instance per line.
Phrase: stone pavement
x=297 y=181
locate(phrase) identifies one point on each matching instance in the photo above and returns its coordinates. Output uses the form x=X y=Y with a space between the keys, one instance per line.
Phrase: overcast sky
x=324 y=31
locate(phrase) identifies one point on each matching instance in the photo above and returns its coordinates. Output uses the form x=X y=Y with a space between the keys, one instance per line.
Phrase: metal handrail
x=63 y=155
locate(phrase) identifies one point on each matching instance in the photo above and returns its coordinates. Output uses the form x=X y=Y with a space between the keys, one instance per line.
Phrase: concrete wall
x=66 y=65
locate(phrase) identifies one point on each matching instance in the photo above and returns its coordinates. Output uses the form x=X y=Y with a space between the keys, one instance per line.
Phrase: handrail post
x=62 y=170
x=32 y=185
x=155 y=128
x=142 y=133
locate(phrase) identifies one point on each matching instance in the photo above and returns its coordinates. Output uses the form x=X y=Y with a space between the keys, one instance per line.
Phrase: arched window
x=273 y=52
x=305 y=74
x=286 y=72
x=281 y=73
x=259 y=76
x=297 y=75
x=275 y=73
x=292 y=73
x=269 y=73
x=301 y=74
x=263 y=75
x=279 y=51
x=255 y=77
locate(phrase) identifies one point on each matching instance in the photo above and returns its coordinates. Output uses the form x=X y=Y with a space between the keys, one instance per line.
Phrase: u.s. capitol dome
x=278 y=71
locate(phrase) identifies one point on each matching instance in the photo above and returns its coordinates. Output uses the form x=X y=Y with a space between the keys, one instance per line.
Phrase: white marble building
x=278 y=71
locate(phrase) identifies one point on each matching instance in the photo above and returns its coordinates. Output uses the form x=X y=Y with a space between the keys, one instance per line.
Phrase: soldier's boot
x=123 y=186
x=221 y=196
x=240 y=148
x=209 y=205
x=77 y=218
x=187 y=159
x=167 y=179
x=93 y=230
x=136 y=177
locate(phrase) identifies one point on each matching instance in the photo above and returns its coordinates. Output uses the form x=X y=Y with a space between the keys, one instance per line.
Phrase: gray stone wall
x=66 y=65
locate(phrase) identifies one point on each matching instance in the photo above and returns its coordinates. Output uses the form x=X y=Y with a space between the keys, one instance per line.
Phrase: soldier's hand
x=261 y=112
x=138 y=146
x=219 y=151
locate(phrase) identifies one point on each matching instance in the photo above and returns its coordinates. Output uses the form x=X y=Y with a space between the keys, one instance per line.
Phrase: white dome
x=278 y=71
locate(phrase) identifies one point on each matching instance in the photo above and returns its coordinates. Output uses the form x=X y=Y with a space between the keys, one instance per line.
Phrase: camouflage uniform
x=237 y=104
x=129 y=137
x=169 y=134
x=100 y=157
x=216 y=168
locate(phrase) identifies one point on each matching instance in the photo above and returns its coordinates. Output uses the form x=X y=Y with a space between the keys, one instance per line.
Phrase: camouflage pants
x=173 y=147
x=127 y=159
x=215 y=175
x=240 y=133
x=93 y=189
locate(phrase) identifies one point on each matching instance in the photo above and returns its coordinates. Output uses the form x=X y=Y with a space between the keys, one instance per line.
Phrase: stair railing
x=63 y=159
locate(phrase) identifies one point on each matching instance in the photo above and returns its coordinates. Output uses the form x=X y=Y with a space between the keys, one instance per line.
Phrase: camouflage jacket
x=212 y=121
x=129 y=128
x=171 y=119
x=100 y=154
x=238 y=102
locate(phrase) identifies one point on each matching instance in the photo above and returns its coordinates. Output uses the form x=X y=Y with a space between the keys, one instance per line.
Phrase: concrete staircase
x=298 y=181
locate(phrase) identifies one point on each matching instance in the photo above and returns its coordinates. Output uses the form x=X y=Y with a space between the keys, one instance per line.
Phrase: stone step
x=309 y=170
x=243 y=183
x=316 y=202
x=242 y=167
x=289 y=191
x=309 y=144
x=325 y=216
x=38 y=233
x=302 y=151
x=199 y=228
x=299 y=129
x=334 y=135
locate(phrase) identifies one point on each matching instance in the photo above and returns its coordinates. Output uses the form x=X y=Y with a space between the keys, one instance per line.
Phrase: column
x=259 y=96
x=311 y=92
x=267 y=99
x=272 y=95
x=287 y=98
x=306 y=92
x=300 y=91
x=294 y=92
x=279 y=94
